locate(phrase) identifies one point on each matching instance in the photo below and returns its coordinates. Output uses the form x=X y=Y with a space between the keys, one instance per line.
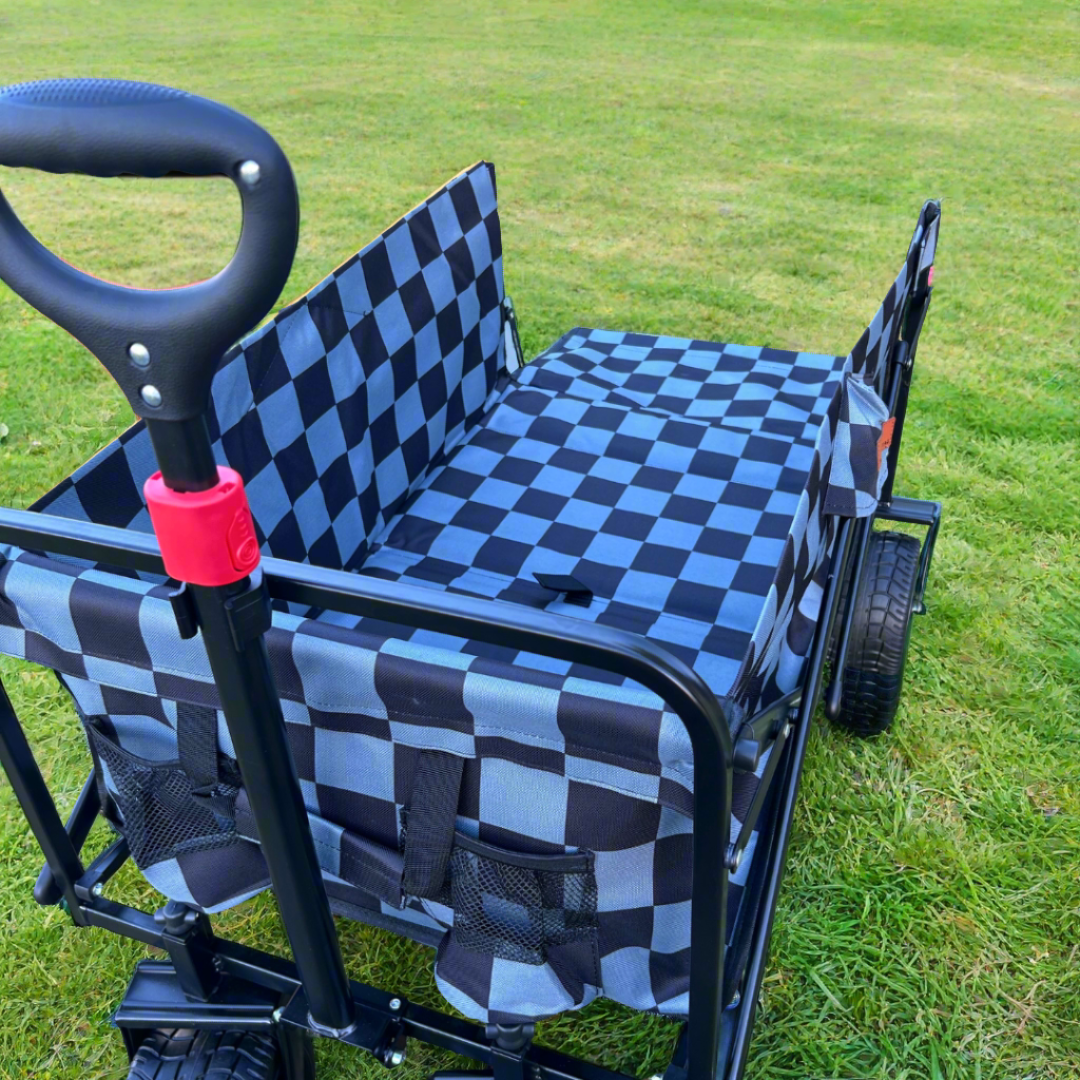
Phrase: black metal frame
x=212 y=983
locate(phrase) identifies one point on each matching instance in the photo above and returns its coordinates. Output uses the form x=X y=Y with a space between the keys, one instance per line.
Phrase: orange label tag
x=885 y=441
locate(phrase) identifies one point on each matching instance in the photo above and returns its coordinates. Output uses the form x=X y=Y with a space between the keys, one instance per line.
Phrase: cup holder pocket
x=153 y=804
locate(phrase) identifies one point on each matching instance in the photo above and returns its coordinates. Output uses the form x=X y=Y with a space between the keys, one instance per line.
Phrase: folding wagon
x=516 y=660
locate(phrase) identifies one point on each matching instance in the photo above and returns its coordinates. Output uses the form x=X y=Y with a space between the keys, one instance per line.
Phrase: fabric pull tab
x=885 y=441
x=430 y=820
x=576 y=592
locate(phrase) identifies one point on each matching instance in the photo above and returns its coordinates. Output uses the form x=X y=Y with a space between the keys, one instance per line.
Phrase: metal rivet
x=98 y=890
x=140 y=354
x=250 y=173
x=734 y=858
x=787 y=729
x=277 y=1014
x=395 y=1059
x=395 y=1004
x=151 y=395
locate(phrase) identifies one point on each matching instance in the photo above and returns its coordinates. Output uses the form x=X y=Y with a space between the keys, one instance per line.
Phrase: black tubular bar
x=186 y=445
x=102 y=869
x=914 y=316
x=761 y=796
x=897 y=401
x=407 y=605
x=79 y=823
x=905 y=362
x=917 y=512
x=257 y=728
x=121 y=919
x=37 y=804
x=253 y=713
x=864 y=527
x=788 y=793
x=81 y=540
x=628 y=655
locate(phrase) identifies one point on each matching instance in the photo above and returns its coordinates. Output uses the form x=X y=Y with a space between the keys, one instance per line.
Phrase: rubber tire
x=880 y=633
x=184 y=1054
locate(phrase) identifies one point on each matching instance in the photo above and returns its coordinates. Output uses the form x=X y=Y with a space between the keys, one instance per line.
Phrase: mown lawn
x=743 y=172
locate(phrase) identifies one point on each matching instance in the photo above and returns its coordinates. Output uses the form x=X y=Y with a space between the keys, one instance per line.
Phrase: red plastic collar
x=206 y=537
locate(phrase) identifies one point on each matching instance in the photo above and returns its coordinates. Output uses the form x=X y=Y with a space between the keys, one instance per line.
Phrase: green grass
x=745 y=172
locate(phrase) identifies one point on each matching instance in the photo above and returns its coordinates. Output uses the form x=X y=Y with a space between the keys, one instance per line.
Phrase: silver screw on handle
x=250 y=173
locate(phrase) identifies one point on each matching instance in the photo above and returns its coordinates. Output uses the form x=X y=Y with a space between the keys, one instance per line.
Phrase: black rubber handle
x=161 y=346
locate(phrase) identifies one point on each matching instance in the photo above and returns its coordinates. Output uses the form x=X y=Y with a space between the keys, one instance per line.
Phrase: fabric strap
x=196 y=735
x=430 y=821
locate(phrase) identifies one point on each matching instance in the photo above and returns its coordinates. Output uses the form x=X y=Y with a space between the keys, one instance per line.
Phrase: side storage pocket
x=153 y=803
x=860 y=460
x=524 y=937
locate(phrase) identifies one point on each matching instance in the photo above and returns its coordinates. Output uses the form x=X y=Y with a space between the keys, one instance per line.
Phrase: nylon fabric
x=431 y=820
x=196 y=739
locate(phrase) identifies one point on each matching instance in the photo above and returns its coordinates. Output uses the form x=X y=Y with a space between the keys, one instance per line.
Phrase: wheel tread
x=874 y=673
x=183 y=1054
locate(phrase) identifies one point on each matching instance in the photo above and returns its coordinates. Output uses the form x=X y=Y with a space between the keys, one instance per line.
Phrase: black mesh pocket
x=154 y=806
x=520 y=907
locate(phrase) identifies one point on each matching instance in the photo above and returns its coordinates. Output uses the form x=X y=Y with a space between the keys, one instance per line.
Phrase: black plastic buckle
x=249 y=612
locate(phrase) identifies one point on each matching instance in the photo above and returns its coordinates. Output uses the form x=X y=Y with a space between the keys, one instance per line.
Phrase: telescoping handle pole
x=162 y=348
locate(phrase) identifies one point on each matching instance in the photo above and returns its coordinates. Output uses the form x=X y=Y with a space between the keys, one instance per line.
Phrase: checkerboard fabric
x=860 y=467
x=750 y=387
x=337 y=408
x=548 y=767
x=686 y=484
x=677 y=526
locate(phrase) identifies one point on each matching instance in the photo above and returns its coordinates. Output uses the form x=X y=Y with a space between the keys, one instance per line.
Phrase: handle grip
x=161 y=346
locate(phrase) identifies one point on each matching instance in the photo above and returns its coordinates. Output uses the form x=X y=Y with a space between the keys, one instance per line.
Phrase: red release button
x=243 y=545
x=206 y=537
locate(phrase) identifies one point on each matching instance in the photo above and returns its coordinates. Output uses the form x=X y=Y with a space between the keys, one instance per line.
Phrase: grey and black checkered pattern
x=336 y=409
x=859 y=466
x=547 y=768
x=749 y=387
x=686 y=484
x=675 y=525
